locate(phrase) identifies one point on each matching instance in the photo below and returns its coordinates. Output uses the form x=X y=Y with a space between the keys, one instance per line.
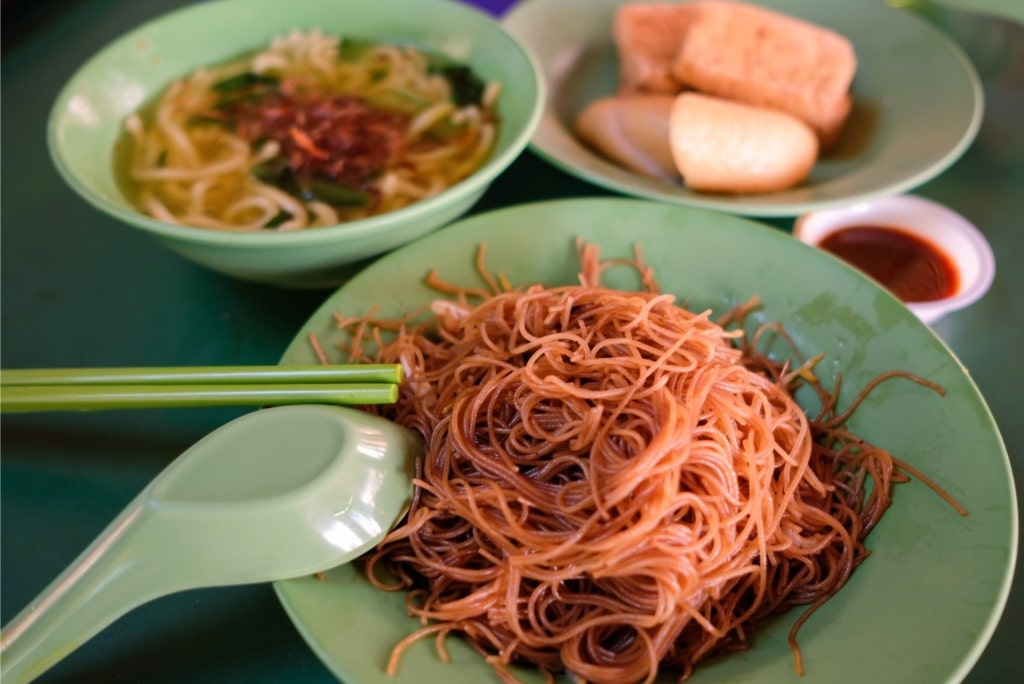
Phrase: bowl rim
x=497 y=162
x=827 y=221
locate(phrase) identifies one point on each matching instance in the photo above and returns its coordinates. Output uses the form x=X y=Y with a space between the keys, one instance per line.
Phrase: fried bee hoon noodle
x=312 y=131
x=613 y=486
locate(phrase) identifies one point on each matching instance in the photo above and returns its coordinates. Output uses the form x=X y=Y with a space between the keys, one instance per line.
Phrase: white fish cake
x=723 y=146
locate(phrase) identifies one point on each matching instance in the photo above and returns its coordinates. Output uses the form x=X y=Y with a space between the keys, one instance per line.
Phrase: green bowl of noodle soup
x=282 y=142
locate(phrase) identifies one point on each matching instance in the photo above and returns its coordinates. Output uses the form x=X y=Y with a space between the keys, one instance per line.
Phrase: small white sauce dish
x=943 y=229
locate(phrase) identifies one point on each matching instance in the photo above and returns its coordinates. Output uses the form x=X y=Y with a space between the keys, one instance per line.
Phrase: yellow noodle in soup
x=613 y=486
x=313 y=131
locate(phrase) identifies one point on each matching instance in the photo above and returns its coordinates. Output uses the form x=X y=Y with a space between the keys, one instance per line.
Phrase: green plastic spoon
x=278 y=493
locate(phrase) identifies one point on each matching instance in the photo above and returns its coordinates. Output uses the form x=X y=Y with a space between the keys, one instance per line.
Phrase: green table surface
x=78 y=289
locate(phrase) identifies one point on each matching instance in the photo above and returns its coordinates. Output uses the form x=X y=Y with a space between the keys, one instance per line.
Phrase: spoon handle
x=102 y=584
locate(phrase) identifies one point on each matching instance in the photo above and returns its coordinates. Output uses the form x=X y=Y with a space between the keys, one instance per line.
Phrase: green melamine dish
x=86 y=121
x=917 y=103
x=918 y=611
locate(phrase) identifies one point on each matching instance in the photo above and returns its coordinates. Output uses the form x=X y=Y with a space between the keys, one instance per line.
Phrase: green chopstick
x=20 y=399
x=186 y=375
x=85 y=389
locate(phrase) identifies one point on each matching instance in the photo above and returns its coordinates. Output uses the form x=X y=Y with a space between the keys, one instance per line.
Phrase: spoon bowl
x=276 y=494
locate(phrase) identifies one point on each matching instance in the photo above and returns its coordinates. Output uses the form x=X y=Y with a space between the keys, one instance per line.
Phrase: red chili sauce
x=911 y=268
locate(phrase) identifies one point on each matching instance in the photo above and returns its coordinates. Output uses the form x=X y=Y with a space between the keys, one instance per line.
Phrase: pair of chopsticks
x=84 y=389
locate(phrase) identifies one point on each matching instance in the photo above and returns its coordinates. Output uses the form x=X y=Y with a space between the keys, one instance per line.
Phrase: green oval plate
x=920 y=609
x=917 y=103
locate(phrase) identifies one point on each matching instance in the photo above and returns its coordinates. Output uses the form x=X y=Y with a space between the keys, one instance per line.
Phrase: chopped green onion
x=270 y=171
x=334 y=193
x=467 y=88
x=244 y=81
x=278 y=173
x=252 y=96
x=352 y=49
x=282 y=217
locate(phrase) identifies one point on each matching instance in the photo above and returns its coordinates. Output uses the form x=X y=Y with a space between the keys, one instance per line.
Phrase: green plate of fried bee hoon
x=920 y=608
